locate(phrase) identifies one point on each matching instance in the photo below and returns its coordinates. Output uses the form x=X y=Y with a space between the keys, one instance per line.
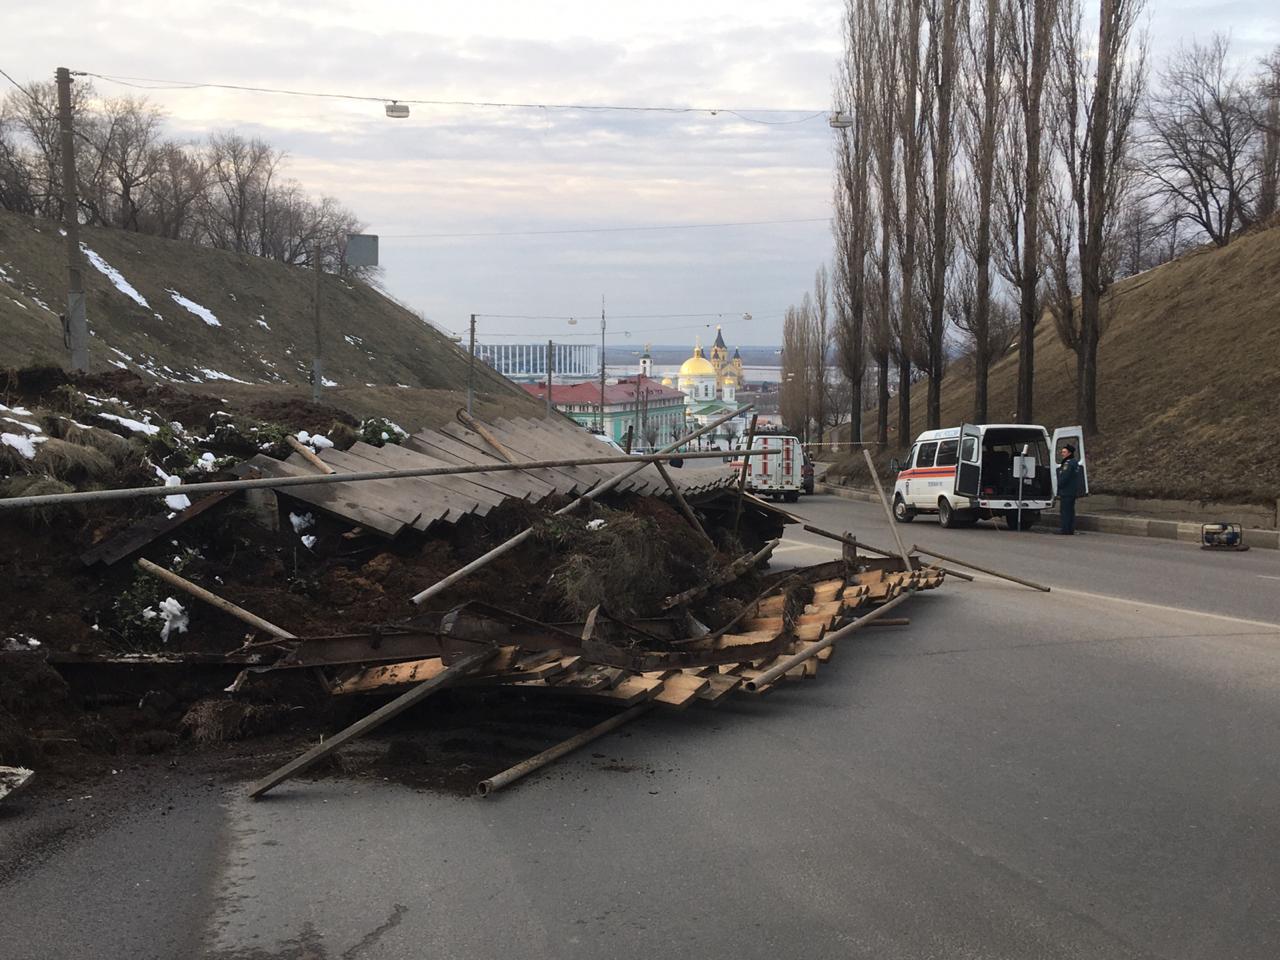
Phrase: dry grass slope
x=1189 y=380
x=264 y=310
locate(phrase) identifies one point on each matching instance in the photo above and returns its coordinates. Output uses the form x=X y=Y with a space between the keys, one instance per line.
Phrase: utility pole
x=550 y=353
x=602 y=363
x=317 y=363
x=76 y=324
x=471 y=366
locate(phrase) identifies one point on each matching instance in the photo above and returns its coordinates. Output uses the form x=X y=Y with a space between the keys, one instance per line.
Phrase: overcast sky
x=451 y=170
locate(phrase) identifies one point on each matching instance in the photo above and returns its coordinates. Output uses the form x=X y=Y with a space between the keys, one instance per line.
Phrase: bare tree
x=1027 y=57
x=174 y=192
x=794 y=397
x=984 y=101
x=943 y=17
x=883 y=99
x=819 y=349
x=1095 y=101
x=1268 y=119
x=1201 y=140
x=125 y=136
x=240 y=173
x=853 y=206
x=911 y=135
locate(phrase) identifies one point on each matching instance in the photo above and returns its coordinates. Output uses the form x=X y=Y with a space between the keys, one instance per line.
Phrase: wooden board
x=447 y=449
x=430 y=501
x=679 y=690
x=395 y=457
x=341 y=500
x=389 y=675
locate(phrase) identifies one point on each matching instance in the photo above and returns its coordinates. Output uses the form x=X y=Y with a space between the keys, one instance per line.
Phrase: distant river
x=754 y=375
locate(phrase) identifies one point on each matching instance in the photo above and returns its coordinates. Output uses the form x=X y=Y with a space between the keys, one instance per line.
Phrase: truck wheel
x=901 y=512
x=947 y=514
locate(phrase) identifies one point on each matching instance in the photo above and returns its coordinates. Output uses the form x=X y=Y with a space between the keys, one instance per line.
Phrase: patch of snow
x=20 y=411
x=207 y=462
x=137 y=426
x=308 y=541
x=20 y=303
x=262 y=322
x=204 y=313
x=597 y=524
x=22 y=443
x=114 y=275
x=24 y=424
x=118 y=363
x=121 y=354
x=353 y=340
x=39 y=303
x=219 y=375
x=178 y=501
x=315 y=441
x=231 y=295
x=301 y=522
x=172 y=613
x=327 y=382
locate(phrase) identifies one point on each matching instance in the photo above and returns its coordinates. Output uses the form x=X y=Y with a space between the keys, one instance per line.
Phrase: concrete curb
x=1125 y=526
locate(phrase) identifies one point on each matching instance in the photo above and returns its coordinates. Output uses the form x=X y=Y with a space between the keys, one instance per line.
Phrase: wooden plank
x=679 y=690
x=399 y=458
x=336 y=499
x=464 y=665
x=458 y=504
x=539 y=445
x=559 y=481
x=743 y=639
x=719 y=686
x=390 y=675
x=404 y=497
x=135 y=537
x=448 y=450
x=579 y=443
x=629 y=692
x=772 y=624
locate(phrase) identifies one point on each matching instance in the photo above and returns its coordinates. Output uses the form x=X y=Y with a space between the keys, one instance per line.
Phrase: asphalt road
x=1089 y=773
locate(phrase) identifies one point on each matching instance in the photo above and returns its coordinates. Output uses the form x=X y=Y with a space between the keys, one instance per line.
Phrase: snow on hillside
x=114 y=275
x=204 y=313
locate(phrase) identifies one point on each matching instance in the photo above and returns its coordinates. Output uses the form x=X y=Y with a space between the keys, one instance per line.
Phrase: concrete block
x=1163 y=529
x=1262 y=539
x=1189 y=532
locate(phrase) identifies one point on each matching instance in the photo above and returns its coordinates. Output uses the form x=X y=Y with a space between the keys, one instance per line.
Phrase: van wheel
x=947 y=514
x=901 y=512
x=1029 y=518
x=791 y=496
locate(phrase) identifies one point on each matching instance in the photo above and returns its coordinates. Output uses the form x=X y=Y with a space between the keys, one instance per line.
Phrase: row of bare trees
x=227 y=191
x=1006 y=160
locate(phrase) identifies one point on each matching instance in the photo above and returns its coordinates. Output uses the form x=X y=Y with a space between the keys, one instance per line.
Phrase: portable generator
x=1222 y=536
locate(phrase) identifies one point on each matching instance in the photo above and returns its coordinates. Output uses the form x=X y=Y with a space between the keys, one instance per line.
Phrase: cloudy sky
x=486 y=170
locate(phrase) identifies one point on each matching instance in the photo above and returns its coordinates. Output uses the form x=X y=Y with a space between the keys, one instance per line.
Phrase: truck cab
x=983 y=472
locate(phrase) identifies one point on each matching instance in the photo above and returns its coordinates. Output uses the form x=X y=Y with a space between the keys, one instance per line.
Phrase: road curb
x=1125 y=526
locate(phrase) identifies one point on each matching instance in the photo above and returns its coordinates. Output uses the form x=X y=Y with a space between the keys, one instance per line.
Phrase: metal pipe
x=198 y=489
x=974 y=566
x=591 y=494
x=817 y=646
x=888 y=512
x=525 y=767
x=853 y=542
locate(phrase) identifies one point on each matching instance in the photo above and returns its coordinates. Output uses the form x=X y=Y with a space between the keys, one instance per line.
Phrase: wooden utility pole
x=602 y=363
x=76 y=323
x=317 y=363
x=471 y=365
x=550 y=354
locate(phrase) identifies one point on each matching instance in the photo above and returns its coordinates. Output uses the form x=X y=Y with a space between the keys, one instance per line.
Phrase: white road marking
x=1161 y=606
x=1263 y=576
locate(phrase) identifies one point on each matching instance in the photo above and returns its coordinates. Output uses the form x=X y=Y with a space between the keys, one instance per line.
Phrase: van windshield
x=999 y=447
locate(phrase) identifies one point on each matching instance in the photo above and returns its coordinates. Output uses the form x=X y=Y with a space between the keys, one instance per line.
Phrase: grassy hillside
x=1189 y=380
x=263 y=313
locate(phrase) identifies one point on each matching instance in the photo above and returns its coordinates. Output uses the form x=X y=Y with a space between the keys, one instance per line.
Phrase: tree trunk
x=982 y=241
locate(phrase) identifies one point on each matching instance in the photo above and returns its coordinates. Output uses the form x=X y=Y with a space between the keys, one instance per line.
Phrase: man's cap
x=1067 y=446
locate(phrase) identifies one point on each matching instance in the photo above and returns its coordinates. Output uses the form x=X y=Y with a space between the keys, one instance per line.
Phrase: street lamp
x=840 y=120
x=397 y=111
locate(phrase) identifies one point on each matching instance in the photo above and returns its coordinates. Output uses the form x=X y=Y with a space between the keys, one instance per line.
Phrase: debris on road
x=11 y=778
x=338 y=604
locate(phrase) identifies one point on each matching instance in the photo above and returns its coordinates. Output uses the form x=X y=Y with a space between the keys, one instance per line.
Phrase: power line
x=150 y=83
x=637 y=229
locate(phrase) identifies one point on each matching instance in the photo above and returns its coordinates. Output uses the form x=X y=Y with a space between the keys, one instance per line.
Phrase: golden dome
x=730 y=380
x=666 y=381
x=697 y=366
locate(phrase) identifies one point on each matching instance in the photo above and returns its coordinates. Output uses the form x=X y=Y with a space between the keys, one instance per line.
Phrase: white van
x=779 y=473
x=983 y=471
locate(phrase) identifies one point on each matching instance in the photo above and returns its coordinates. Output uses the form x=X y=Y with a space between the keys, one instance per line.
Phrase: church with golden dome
x=707 y=379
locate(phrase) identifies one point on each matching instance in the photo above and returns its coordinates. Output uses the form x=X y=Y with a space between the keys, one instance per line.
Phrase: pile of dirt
x=1188 y=375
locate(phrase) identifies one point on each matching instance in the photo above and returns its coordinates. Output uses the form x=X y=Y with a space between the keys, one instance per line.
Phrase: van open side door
x=969 y=466
x=1075 y=437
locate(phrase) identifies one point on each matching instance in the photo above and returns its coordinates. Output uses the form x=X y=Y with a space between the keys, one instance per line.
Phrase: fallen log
x=200 y=593
x=888 y=512
x=735 y=570
x=855 y=542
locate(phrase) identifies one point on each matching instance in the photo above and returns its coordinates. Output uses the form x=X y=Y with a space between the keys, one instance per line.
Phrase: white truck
x=984 y=471
x=779 y=473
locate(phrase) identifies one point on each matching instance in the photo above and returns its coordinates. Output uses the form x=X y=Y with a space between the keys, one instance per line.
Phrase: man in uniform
x=1068 y=489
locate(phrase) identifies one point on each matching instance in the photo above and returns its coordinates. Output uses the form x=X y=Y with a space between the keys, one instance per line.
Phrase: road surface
x=1090 y=773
